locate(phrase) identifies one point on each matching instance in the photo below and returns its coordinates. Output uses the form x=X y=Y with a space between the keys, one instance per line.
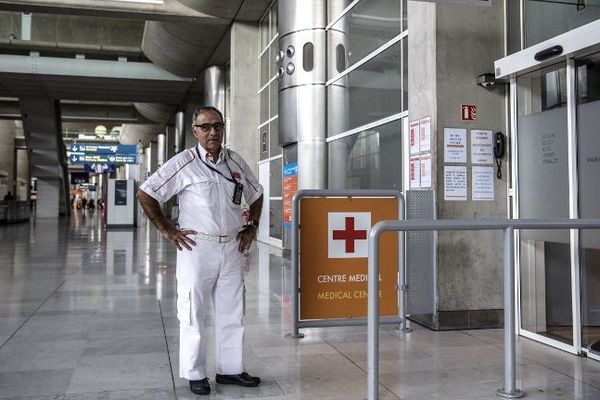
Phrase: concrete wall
x=449 y=46
x=7 y=139
x=244 y=87
x=23 y=178
x=48 y=197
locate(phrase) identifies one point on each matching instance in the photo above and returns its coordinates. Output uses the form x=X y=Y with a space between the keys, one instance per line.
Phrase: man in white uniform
x=211 y=240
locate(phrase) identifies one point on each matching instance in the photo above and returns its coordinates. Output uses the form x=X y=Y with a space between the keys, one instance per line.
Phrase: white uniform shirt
x=205 y=196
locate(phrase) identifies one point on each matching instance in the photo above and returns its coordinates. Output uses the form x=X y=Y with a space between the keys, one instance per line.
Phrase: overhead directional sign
x=103 y=148
x=102 y=153
x=81 y=158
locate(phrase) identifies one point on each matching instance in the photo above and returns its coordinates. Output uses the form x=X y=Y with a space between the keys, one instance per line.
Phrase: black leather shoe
x=243 y=379
x=200 y=387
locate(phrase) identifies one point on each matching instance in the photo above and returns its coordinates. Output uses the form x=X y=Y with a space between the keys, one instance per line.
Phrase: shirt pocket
x=204 y=190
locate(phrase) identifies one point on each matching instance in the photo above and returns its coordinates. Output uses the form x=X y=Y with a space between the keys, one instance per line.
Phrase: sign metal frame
x=402 y=287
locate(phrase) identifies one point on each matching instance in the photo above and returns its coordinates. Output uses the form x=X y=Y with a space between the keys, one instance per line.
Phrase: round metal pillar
x=179 y=131
x=214 y=87
x=301 y=66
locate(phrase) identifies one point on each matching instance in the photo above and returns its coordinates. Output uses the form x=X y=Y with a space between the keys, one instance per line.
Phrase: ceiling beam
x=170 y=10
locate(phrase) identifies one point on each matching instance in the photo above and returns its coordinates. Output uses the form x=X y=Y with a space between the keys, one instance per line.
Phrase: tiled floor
x=90 y=314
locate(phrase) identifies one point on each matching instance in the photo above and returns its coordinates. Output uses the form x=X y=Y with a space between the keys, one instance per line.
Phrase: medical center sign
x=334 y=256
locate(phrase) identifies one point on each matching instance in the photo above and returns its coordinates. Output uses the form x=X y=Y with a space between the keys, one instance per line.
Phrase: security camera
x=486 y=80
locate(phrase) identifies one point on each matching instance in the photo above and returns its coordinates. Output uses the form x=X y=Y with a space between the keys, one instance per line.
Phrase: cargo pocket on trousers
x=184 y=305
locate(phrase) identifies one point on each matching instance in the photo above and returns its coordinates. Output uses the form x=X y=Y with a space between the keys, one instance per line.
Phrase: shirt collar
x=206 y=156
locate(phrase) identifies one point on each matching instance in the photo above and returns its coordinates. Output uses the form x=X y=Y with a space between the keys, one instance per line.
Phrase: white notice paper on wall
x=483 y=183
x=455 y=145
x=455 y=183
x=481 y=147
x=415 y=174
x=425 y=134
x=425 y=170
x=413 y=137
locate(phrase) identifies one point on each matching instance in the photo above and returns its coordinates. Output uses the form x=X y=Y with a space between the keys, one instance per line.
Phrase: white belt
x=212 y=238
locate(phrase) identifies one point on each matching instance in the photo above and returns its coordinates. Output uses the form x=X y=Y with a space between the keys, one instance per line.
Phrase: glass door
x=546 y=307
x=588 y=154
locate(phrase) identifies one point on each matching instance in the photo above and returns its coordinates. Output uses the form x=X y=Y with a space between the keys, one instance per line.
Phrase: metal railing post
x=509 y=390
x=373 y=316
x=295 y=244
x=508 y=226
x=403 y=285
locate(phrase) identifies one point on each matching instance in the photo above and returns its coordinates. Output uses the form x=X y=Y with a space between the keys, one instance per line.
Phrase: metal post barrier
x=295 y=252
x=509 y=390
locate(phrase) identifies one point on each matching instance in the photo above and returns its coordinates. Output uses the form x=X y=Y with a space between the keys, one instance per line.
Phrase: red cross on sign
x=348 y=234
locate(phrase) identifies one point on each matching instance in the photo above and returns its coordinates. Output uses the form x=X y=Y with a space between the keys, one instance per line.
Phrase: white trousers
x=210 y=273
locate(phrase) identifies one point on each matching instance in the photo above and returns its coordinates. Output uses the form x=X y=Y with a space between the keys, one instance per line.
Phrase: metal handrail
x=508 y=226
x=295 y=247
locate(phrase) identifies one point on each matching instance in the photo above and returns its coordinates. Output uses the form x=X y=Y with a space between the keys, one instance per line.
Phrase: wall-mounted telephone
x=499 y=150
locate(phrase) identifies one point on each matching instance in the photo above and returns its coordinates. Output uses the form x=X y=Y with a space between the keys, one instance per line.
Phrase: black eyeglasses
x=206 y=128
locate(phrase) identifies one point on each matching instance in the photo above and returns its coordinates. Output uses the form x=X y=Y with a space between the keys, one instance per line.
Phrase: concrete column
x=214 y=87
x=179 y=131
x=48 y=198
x=170 y=141
x=25 y=26
x=148 y=159
x=23 y=177
x=7 y=145
x=469 y=264
x=244 y=86
x=161 y=149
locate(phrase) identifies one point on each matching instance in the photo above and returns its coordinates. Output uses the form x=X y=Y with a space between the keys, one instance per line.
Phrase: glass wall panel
x=371 y=92
x=543 y=193
x=276 y=218
x=263 y=142
x=265 y=73
x=264 y=105
x=264 y=33
x=513 y=16
x=273 y=98
x=365 y=28
x=276 y=184
x=404 y=45
x=334 y=8
x=546 y=19
x=274 y=20
x=275 y=150
x=588 y=143
x=371 y=159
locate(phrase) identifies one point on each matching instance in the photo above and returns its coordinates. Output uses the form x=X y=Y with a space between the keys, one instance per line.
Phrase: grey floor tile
x=101 y=335
x=34 y=383
x=143 y=394
x=132 y=371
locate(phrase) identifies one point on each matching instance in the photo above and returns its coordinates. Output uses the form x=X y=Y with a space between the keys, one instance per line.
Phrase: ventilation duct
x=156 y=112
x=144 y=133
x=182 y=48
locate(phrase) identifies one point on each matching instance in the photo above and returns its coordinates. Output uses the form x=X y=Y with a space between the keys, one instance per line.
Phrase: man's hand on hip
x=179 y=237
x=246 y=237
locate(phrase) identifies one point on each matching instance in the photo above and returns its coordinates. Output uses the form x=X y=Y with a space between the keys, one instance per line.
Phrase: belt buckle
x=223 y=239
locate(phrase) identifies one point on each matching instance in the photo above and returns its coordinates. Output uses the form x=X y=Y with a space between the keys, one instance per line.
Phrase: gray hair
x=206 y=109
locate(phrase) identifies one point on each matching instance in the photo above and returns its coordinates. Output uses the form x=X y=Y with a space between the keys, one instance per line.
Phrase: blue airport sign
x=102 y=148
x=81 y=158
